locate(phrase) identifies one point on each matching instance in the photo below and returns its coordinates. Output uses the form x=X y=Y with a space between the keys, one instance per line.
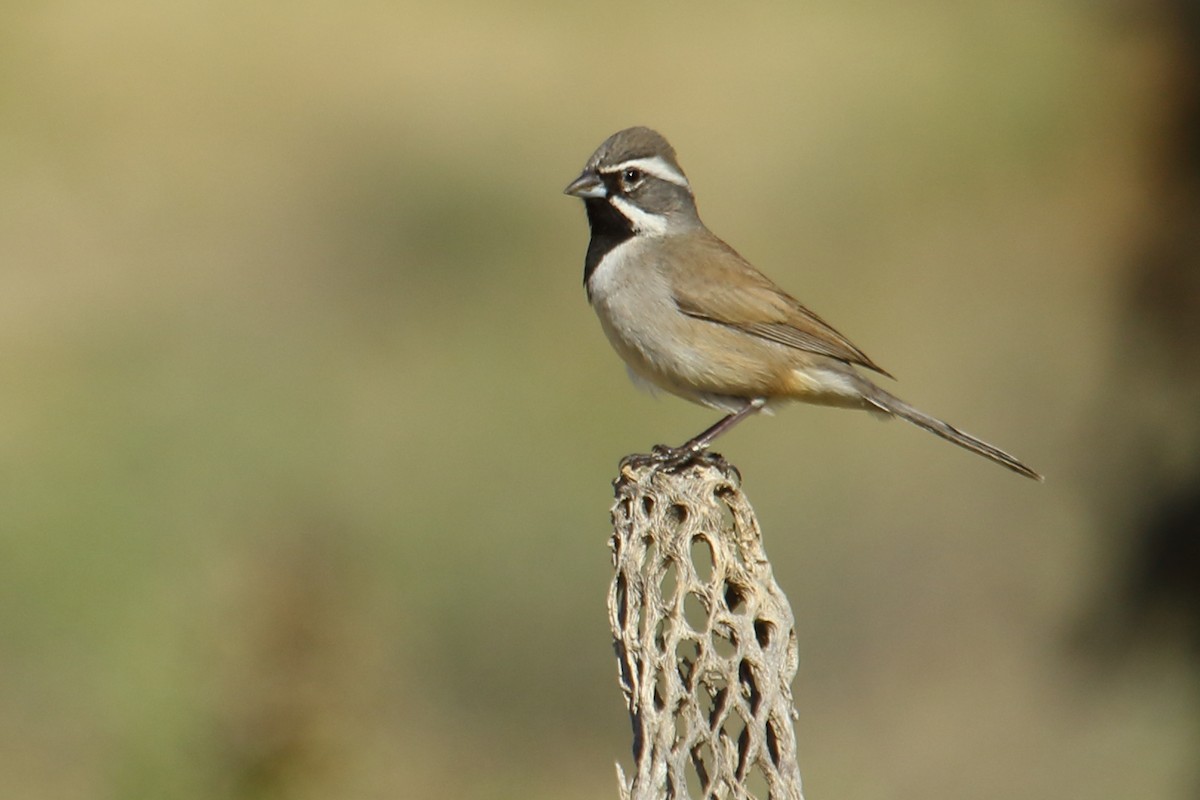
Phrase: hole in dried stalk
x=660 y=635
x=706 y=702
x=687 y=652
x=772 y=743
x=647 y=505
x=763 y=631
x=735 y=597
x=725 y=645
x=677 y=513
x=702 y=767
x=716 y=706
x=681 y=730
x=702 y=558
x=737 y=736
x=756 y=784
x=668 y=583
x=660 y=692
x=622 y=600
x=694 y=612
x=749 y=685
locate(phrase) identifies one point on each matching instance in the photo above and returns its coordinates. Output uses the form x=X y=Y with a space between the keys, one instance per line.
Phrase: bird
x=690 y=316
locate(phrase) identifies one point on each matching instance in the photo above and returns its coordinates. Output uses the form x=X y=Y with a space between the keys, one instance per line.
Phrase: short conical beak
x=586 y=185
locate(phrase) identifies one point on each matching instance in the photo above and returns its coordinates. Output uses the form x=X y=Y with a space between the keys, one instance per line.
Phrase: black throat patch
x=609 y=229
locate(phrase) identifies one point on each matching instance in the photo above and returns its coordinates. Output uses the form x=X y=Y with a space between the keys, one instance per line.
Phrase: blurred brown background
x=308 y=430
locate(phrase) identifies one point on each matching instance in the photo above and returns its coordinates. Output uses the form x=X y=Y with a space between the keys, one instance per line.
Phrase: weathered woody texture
x=705 y=639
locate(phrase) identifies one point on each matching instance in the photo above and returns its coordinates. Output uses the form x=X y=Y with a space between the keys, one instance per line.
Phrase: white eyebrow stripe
x=643 y=221
x=656 y=166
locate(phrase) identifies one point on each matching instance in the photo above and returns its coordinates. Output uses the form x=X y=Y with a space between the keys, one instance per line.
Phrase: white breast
x=632 y=298
x=628 y=290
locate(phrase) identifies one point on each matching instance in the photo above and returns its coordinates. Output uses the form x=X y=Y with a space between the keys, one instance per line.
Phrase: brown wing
x=736 y=294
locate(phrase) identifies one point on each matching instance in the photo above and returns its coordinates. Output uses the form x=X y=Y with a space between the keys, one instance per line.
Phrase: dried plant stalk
x=705 y=639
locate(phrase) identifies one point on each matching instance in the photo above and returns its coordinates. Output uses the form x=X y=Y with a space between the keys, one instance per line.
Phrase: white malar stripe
x=643 y=221
x=655 y=166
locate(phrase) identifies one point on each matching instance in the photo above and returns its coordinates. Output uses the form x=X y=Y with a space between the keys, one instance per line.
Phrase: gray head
x=635 y=173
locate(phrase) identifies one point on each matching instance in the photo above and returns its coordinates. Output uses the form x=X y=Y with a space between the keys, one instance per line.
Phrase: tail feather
x=897 y=407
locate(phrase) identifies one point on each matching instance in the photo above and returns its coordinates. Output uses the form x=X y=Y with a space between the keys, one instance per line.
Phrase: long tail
x=894 y=405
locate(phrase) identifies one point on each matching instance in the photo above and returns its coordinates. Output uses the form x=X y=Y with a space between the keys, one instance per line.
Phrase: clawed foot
x=673 y=459
x=661 y=456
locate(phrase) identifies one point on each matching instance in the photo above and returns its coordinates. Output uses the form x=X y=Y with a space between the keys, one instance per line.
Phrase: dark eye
x=631 y=175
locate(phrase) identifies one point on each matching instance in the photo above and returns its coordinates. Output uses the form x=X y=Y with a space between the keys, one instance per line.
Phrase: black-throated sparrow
x=691 y=316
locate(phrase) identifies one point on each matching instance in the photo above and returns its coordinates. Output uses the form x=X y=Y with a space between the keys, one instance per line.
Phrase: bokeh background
x=307 y=429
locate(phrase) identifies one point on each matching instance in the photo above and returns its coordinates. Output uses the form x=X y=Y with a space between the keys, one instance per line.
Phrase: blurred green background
x=308 y=430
